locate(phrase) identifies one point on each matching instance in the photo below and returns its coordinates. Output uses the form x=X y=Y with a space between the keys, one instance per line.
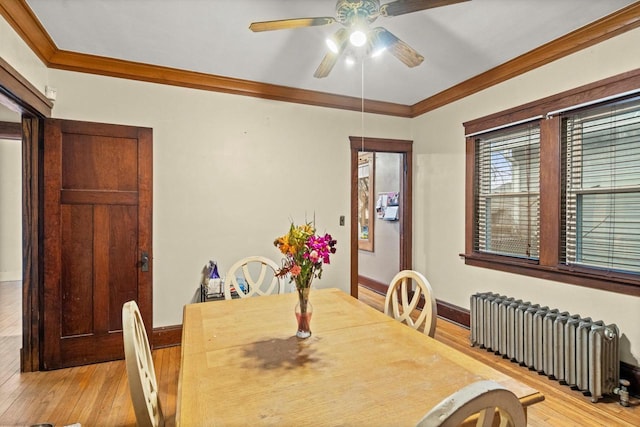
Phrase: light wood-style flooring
x=98 y=395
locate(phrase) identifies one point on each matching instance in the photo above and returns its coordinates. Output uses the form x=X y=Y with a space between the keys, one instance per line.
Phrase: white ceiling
x=458 y=41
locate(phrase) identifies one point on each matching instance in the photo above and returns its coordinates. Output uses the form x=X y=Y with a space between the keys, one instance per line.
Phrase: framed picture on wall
x=366 y=182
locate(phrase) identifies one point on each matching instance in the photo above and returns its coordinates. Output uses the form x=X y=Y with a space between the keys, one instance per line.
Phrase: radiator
x=576 y=351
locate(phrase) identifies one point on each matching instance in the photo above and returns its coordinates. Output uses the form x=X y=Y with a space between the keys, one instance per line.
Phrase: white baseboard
x=10 y=276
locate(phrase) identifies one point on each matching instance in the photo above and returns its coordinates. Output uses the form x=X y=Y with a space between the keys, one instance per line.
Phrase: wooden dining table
x=243 y=365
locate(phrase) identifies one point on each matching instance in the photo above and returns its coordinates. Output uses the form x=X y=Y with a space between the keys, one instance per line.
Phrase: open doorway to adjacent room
x=10 y=241
x=381 y=211
x=378 y=219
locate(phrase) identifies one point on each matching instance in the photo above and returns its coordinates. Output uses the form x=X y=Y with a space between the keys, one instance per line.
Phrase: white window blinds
x=507 y=192
x=601 y=194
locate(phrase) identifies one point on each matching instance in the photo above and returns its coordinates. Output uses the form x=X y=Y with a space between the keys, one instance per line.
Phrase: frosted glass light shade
x=358 y=38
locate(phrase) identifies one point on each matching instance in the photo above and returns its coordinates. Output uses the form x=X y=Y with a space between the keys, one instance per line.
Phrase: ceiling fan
x=356 y=17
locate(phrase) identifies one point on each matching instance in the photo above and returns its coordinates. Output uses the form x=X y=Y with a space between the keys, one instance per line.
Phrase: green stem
x=303 y=299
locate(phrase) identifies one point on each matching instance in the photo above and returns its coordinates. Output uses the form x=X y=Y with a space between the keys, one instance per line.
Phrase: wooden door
x=97 y=230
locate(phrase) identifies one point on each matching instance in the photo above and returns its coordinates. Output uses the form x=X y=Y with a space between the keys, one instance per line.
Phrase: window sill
x=612 y=282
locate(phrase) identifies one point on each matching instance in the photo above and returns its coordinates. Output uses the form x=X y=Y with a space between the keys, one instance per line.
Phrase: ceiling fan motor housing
x=350 y=11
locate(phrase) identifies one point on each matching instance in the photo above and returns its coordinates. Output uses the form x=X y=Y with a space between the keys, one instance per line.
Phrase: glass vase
x=303 y=311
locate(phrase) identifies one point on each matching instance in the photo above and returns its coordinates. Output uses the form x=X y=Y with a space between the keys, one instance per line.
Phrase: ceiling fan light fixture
x=378 y=42
x=358 y=38
x=378 y=51
x=336 y=41
x=333 y=47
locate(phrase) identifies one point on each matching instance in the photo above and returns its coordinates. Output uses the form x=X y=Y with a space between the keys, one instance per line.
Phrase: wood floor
x=98 y=395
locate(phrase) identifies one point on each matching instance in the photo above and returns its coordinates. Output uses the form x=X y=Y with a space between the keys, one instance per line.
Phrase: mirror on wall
x=366 y=215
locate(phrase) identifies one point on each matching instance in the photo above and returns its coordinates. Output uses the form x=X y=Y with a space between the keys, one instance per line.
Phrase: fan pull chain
x=362 y=104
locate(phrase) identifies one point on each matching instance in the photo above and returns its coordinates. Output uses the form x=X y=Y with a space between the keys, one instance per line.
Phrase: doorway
x=402 y=204
x=10 y=240
x=378 y=220
x=19 y=95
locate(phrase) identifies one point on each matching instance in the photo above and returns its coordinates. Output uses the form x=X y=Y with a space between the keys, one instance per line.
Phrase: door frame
x=382 y=145
x=21 y=96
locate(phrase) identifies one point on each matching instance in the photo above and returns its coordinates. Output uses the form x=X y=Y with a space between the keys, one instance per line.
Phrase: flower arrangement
x=304 y=253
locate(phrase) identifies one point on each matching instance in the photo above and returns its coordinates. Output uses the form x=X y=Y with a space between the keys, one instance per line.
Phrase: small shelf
x=204 y=297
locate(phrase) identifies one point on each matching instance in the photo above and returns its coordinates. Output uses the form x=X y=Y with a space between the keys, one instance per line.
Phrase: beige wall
x=11 y=210
x=19 y=56
x=229 y=172
x=439 y=148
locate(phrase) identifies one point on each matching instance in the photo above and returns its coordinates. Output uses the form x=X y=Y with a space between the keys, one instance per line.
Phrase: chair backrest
x=259 y=275
x=140 y=371
x=485 y=398
x=404 y=309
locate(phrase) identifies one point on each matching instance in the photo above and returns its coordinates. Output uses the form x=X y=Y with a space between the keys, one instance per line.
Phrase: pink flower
x=304 y=253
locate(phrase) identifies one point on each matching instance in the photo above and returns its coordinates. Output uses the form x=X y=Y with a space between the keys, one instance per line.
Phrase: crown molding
x=20 y=16
x=85 y=63
x=610 y=26
x=25 y=23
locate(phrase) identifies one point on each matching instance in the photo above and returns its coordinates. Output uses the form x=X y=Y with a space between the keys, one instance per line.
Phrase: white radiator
x=576 y=351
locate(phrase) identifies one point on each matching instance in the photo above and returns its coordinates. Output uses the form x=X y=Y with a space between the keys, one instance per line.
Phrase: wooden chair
x=485 y=398
x=249 y=267
x=404 y=310
x=140 y=372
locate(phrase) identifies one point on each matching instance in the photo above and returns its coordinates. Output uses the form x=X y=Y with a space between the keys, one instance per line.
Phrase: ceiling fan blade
x=326 y=65
x=401 y=7
x=285 y=24
x=339 y=39
x=405 y=53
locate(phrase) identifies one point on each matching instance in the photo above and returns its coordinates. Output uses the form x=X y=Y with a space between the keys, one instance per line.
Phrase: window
x=601 y=194
x=553 y=187
x=507 y=205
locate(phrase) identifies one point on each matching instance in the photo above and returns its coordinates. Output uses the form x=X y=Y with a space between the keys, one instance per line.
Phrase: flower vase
x=303 y=311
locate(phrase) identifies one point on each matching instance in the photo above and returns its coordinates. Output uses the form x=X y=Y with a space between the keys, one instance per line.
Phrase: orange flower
x=305 y=253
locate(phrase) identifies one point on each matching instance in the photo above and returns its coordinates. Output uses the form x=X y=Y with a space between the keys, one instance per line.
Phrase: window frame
x=508 y=138
x=583 y=183
x=549 y=266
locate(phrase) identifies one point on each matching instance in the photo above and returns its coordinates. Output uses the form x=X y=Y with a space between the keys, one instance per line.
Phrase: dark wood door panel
x=108 y=163
x=99 y=258
x=99 y=197
x=121 y=253
x=72 y=127
x=89 y=349
x=97 y=222
x=76 y=282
